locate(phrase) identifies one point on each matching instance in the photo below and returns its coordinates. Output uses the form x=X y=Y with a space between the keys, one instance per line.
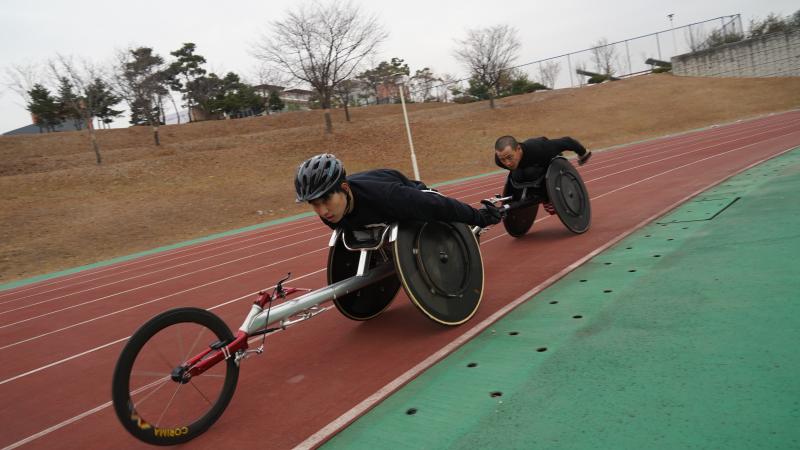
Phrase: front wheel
x=150 y=404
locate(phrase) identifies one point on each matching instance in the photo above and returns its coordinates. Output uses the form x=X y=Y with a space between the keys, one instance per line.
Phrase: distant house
x=265 y=89
x=293 y=98
x=389 y=93
x=35 y=129
x=299 y=97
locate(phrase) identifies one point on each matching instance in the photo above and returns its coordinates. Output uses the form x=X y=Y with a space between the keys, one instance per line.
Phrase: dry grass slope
x=60 y=210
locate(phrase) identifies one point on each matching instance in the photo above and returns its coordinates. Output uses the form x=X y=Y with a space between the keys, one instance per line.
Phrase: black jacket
x=536 y=156
x=539 y=151
x=386 y=195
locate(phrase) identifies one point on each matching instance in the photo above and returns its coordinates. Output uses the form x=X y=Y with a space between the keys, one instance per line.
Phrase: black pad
x=441 y=269
x=518 y=221
x=367 y=302
x=568 y=195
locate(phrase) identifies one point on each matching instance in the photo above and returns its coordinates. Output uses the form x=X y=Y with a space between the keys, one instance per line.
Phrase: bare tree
x=604 y=57
x=322 y=45
x=84 y=103
x=695 y=37
x=21 y=80
x=486 y=52
x=423 y=82
x=344 y=92
x=443 y=90
x=548 y=72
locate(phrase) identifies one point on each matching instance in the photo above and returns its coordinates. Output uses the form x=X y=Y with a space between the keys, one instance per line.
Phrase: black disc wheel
x=518 y=221
x=370 y=301
x=568 y=194
x=152 y=395
x=441 y=269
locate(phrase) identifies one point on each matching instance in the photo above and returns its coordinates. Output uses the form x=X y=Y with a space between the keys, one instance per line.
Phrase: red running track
x=60 y=338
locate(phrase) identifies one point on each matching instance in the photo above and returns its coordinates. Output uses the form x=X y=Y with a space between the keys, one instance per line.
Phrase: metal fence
x=623 y=58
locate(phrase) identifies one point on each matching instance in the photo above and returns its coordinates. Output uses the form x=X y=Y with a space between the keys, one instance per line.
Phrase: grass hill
x=59 y=209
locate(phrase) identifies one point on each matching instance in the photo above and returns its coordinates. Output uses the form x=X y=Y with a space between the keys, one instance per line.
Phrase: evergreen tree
x=274 y=102
x=205 y=92
x=383 y=77
x=103 y=100
x=143 y=80
x=238 y=98
x=44 y=108
x=69 y=104
x=185 y=70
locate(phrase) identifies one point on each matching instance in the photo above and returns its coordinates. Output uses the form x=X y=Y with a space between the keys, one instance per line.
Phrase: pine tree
x=274 y=102
x=69 y=104
x=103 y=100
x=142 y=80
x=44 y=108
x=185 y=70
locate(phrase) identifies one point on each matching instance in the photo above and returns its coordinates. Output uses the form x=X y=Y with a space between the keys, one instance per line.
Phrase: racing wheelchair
x=561 y=187
x=178 y=371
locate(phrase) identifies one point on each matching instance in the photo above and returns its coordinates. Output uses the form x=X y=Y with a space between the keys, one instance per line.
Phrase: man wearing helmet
x=377 y=196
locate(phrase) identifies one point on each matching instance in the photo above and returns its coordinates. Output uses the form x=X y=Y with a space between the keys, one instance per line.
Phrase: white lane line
x=113 y=313
x=327 y=431
x=280 y=239
x=659 y=143
x=155 y=260
x=70 y=358
x=324 y=433
x=116 y=312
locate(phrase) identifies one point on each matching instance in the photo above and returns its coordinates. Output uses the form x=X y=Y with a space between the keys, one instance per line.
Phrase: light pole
x=408 y=127
x=672 y=28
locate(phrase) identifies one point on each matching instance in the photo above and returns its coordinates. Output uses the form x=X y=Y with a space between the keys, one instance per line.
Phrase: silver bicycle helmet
x=317 y=176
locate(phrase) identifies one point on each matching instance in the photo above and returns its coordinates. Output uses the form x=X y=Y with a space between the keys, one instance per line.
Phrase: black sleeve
x=567 y=143
x=413 y=204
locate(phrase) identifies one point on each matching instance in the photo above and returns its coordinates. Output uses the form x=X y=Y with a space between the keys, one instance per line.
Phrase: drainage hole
x=628 y=248
x=411 y=411
x=554 y=302
x=670 y=239
x=646 y=235
x=496 y=394
x=583 y=281
x=541 y=349
x=607 y=291
x=608 y=263
x=513 y=333
x=632 y=270
x=656 y=256
x=472 y=364
x=577 y=317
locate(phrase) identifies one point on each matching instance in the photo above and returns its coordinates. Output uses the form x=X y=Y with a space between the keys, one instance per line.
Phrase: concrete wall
x=772 y=55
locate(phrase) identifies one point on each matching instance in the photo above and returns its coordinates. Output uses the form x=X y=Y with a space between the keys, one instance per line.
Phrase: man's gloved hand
x=490 y=215
x=584 y=158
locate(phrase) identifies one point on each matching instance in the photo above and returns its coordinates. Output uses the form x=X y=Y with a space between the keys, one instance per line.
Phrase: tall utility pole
x=408 y=126
x=672 y=28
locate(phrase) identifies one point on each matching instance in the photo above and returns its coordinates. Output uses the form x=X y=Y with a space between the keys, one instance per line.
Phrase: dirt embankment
x=59 y=209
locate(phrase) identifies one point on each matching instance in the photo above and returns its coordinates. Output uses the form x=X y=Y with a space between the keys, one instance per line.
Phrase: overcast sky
x=420 y=32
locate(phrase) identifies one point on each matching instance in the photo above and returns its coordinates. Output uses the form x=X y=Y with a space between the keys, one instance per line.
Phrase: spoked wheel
x=148 y=401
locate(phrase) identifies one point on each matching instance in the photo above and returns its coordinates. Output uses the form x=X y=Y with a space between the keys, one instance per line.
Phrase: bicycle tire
x=121 y=393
